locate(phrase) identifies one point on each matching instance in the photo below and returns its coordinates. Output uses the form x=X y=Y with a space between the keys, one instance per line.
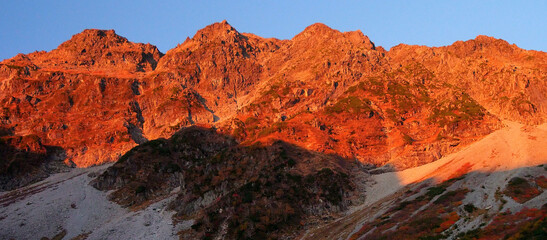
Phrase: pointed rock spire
x=220 y=31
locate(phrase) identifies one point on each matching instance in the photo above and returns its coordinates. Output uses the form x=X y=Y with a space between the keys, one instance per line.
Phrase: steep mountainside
x=323 y=90
x=508 y=81
x=80 y=97
x=97 y=95
x=239 y=136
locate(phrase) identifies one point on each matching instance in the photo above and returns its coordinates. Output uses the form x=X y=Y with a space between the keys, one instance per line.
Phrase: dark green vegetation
x=402 y=99
x=276 y=201
x=516 y=181
x=470 y=208
x=463 y=108
x=434 y=191
x=257 y=191
x=351 y=104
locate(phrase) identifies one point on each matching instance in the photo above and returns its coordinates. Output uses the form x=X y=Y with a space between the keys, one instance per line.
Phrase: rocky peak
x=483 y=43
x=93 y=38
x=319 y=32
x=358 y=38
x=95 y=49
x=316 y=30
x=222 y=31
x=483 y=40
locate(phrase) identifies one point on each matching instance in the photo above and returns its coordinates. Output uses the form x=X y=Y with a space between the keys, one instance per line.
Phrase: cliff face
x=98 y=95
x=508 y=81
x=323 y=90
x=79 y=97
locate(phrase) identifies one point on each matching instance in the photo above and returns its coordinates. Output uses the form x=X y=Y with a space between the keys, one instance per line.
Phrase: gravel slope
x=66 y=202
x=517 y=150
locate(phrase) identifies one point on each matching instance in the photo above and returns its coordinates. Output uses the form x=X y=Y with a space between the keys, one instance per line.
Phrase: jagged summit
x=499 y=44
x=95 y=49
x=482 y=41
x=486 y=38
x=317 y=29
x=319 y=32
x=93 y=38
x=217 y=31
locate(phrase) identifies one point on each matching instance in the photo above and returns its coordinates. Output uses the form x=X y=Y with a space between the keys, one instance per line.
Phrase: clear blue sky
x=26 y=26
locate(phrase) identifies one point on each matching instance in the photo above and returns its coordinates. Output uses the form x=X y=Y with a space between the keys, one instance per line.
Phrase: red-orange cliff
x=98 y=95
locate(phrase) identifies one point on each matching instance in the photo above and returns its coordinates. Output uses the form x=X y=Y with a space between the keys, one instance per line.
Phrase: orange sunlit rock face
x=323 y=136
x=98 y=95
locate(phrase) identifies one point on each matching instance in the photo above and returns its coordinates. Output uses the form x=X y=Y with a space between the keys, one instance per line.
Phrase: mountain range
x=235 y=136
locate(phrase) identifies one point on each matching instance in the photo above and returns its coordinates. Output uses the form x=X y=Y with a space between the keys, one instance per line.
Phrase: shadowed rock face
x=280 y=185
x=98 y=95
x=25 y=160
x=20 y=155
